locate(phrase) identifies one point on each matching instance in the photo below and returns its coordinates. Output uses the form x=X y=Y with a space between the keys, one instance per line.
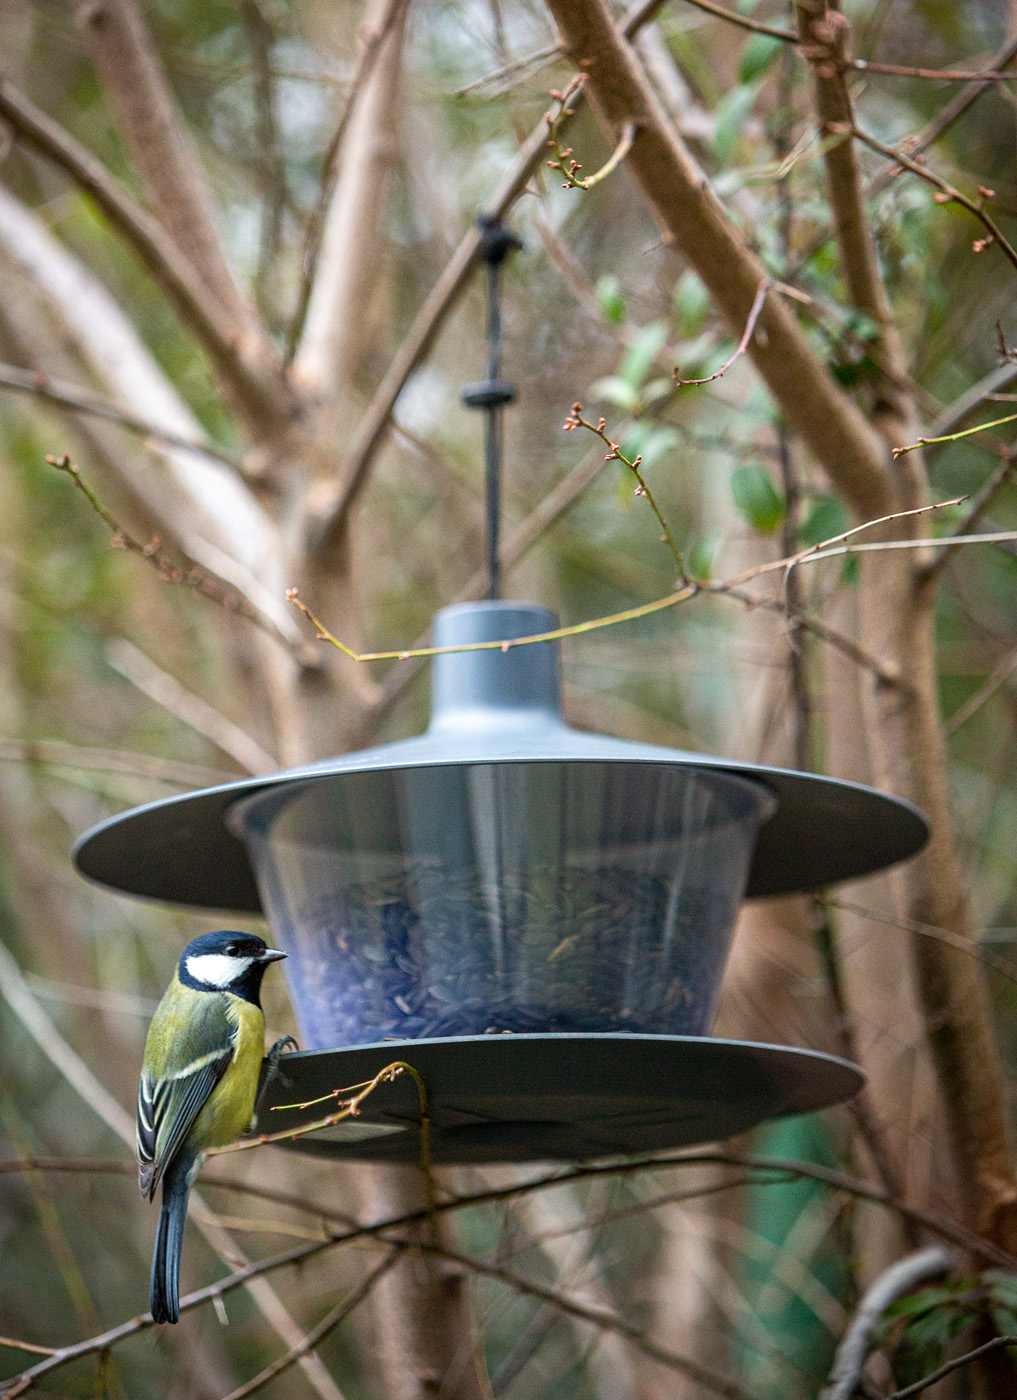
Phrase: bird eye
x=232 y=949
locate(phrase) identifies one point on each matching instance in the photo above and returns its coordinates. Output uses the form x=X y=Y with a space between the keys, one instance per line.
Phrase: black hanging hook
x=493 y=393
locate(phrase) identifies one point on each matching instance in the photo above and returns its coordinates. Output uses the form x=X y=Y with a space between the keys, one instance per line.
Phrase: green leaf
x=701 y=558
x=757 y=498
x=691 y=303
x=613 y=306
x=617 y=392
x=658 y=389
x=638 y=359
x=732 y=112
x=757 y=56
x=827 y=517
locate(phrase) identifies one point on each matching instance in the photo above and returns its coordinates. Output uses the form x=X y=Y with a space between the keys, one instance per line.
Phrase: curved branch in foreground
x=856 y=1343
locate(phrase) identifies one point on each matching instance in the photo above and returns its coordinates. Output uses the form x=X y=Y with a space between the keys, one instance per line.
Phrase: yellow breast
x=230 y=1107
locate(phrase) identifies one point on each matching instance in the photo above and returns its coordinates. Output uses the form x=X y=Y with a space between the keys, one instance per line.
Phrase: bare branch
x=394 y=12
x=607 y=1321
x=263 y=396
x=998 y=677
x=750 y=326
x=57 y=391
x=949 y=113
x=184 y=705
x=270 y=155
x=26 y=1346
x=204 y=581
x=949 y=192
x=121 y=49
x=939 y=1225
x=814 y=554
x=52 y=753
x=221 y=512
x=954 y=1365
x=823 y=631
x=320 y=1331
x=833 y=427
x=329 y=511
x=515 y=71
x=743 y=21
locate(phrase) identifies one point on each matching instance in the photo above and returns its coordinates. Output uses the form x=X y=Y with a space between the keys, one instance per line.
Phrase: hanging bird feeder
x=535 y=918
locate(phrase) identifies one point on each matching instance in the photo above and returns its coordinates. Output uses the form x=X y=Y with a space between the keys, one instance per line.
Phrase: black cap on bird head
x=227 y=961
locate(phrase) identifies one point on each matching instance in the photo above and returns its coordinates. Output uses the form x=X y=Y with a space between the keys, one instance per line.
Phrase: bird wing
x=183 y=1064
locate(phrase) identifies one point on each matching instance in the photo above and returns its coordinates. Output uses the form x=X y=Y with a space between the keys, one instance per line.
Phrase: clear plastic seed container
x=485 y=898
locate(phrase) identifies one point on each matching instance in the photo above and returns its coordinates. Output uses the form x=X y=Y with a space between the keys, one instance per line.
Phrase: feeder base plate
x=524 y=1098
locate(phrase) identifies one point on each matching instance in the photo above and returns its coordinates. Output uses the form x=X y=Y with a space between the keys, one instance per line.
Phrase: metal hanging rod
x=493 y=393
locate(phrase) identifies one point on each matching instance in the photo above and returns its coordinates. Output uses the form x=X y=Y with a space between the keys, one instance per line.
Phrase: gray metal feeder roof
x=497 y=706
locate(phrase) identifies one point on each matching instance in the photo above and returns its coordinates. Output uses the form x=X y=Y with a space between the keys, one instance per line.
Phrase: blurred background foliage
x=597 y=308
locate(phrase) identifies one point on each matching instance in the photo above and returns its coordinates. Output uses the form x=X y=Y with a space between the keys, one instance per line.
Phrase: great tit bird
x=199 y=1082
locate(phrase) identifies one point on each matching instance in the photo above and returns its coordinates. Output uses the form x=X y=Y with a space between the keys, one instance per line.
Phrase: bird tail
x=164 y=1288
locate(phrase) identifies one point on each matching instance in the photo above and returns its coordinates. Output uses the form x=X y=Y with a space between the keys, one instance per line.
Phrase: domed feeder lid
x=495 y=706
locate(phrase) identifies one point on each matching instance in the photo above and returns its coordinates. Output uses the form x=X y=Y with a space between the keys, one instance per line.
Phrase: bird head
x=227 y=961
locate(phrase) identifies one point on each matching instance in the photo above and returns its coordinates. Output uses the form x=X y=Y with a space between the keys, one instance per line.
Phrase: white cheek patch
x=216 y=969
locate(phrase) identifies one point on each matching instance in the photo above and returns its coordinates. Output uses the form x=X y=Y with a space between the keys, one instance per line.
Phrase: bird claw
x=272 y=1060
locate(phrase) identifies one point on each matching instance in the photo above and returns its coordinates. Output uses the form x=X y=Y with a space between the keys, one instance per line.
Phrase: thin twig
x=944 y=119
x=997 y=678
x=824 y=632
x=939 y=75
x=269 y=145
x=860 y=65
x=349 y=1108
x=54 y=753
x=606 y=1321
x=816 y=553
x=954 y=1365
x=951 y=194
x=320 y=1331
x=527 y=66
x=980 y=503
x=132 y=663
x=953 y=437
x=563 y=155
x=942 y=1226
x=210 y=585
x=15 y=1345
x=615 y=454
x=743 y=21
x=985 y=956
x=750 y=326
x=58 y=391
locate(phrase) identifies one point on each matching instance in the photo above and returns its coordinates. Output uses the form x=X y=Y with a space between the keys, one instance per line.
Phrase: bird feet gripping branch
x=272 y=1060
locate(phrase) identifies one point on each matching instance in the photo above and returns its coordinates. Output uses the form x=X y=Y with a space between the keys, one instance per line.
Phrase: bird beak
x=271 y=955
